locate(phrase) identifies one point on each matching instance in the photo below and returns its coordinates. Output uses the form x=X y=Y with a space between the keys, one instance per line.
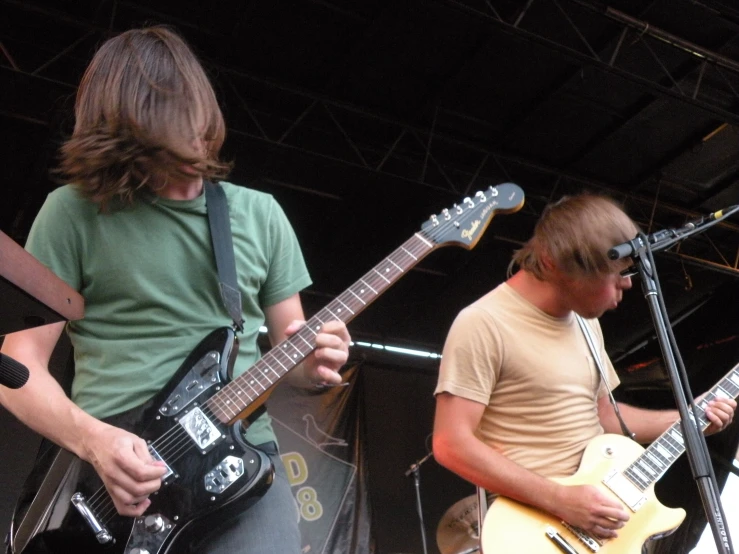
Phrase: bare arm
x=121 y=459
x=332 y=344
x=457 y=448
x=647 y=425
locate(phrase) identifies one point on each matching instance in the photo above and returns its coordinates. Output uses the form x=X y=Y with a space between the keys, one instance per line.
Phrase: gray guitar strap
x=588 y=332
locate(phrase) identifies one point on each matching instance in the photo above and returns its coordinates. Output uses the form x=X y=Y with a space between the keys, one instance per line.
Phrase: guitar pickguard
x=203 y=375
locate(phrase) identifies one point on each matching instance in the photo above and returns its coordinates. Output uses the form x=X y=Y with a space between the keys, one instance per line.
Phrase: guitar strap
x=220 y=235
x=587 y=331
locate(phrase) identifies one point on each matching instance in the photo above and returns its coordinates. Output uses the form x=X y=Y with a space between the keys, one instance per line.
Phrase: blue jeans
x=268 y=527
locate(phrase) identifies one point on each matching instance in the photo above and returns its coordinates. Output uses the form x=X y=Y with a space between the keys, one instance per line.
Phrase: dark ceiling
x=365 y=117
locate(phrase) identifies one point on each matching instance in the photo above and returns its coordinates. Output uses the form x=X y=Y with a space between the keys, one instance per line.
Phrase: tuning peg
x=481 y=195
x=458 y=208
x=469 y=202
x=445 y=213
x=434 y=220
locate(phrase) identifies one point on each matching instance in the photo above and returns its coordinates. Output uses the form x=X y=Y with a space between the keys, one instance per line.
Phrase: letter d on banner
x=297 y=469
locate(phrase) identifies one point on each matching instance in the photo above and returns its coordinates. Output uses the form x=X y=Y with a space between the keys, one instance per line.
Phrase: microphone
x=13 y=374
x=629 y=248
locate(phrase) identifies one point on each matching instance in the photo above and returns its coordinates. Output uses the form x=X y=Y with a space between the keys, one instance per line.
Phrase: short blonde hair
x=142 y=104
x=576 y=233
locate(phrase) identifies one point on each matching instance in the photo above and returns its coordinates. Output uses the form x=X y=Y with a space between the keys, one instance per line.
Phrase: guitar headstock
x=464 y=223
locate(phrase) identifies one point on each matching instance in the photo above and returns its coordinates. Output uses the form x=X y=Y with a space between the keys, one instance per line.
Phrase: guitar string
x=181 y=437
x=233 y=390
x=279 y=354
x=728 y=386
x=255 y=377
x=678 y=448
x=178 y=434
x=435 y=230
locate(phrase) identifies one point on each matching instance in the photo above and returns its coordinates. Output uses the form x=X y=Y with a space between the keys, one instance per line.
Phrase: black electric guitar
x=193 y=424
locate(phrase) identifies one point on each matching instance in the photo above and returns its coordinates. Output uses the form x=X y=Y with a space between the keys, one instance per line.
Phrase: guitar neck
x=239 y=395
x=462 y=224
x=663 y=452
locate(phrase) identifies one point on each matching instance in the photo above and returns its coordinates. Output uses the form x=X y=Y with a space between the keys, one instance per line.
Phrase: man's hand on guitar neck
x=123 y=462
x=321 y=367
x=591 y=510
x=720 y=413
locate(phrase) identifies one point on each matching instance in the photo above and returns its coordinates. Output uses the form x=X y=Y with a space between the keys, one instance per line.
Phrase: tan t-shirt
x=534 y=373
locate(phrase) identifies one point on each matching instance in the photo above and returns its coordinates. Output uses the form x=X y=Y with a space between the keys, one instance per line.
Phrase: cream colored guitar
x=618 y=466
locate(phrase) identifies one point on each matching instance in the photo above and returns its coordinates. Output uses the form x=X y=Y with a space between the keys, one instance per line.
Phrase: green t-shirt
x=150 y=284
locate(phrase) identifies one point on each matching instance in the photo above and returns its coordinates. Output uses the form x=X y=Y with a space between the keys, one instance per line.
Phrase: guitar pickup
x=203 y=432
x=624 y=489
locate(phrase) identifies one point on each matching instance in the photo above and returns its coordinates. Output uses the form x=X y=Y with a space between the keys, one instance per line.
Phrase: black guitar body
x=213 y=473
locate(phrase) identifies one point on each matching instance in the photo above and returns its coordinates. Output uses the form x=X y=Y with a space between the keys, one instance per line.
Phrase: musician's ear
x=548 y=266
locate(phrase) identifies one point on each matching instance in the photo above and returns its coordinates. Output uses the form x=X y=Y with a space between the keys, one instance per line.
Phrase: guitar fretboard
x=663 y=452
x=238 y=395
x=463 y=224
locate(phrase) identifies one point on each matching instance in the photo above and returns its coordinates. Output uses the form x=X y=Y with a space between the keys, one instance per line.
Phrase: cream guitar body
x=618 y=466
x=511 y=527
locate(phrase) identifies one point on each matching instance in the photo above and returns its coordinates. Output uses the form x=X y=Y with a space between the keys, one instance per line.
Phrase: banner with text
x=321 y=447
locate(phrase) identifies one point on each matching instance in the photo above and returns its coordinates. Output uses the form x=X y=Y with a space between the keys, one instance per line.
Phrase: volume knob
x=153 y=524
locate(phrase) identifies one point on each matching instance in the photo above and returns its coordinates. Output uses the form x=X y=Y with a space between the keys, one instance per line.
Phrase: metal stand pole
x=414 y=469
x=640 y=250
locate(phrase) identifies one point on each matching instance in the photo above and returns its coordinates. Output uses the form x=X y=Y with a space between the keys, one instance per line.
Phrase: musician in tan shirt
x=519 y=395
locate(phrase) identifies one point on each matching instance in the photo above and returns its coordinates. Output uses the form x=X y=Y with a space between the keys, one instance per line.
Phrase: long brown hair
x=575 y=234
x=143 y=103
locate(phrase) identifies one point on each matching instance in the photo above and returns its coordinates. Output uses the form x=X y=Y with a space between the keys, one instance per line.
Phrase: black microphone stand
x=414 y=469
x=640 y=250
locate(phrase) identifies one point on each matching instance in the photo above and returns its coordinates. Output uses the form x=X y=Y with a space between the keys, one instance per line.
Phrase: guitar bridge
x=559 y=541
x=583 y=537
